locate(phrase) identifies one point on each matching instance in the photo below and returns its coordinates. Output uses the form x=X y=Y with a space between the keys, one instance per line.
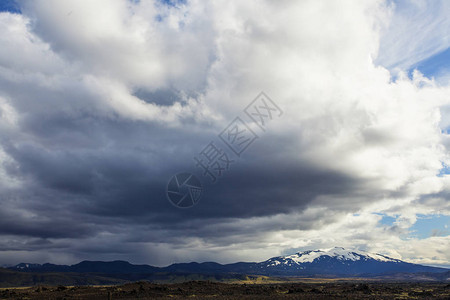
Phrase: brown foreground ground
x=214 y=290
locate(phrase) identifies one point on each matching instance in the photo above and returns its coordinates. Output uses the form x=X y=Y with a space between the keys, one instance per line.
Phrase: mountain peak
x=337 y=253
x=338 y=260
x=26 y=266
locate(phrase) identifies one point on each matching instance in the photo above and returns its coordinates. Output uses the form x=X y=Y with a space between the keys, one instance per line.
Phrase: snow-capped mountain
x=337 y=252
x=335 y=262
x=27 y=266
x=338 y=261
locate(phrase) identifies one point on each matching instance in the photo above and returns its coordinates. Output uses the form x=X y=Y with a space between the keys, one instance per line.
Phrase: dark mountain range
x=10 y=278
x=335 y=262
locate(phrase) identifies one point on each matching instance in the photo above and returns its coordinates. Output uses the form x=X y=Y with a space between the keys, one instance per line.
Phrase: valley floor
x=214 y=290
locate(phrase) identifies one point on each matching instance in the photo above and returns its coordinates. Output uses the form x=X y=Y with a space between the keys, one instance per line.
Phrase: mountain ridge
x=335 y=261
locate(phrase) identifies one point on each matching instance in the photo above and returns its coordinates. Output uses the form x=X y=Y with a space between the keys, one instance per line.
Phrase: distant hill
x=9 y=278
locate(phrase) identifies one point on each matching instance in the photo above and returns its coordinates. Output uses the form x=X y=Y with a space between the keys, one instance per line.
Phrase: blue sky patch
x=426 y=225
x=431 y=225
x=387 y=220
x=173 y=2
x=434 y=66
x=10 y=6
x=445 y=169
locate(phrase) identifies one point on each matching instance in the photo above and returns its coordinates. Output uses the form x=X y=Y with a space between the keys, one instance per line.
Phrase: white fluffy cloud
x=99 y=100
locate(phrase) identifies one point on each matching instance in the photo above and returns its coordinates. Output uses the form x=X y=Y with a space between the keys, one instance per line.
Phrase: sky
x=103 y=102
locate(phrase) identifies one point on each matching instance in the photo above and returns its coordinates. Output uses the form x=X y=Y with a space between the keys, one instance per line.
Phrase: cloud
x=100 y=104
x=418 y=30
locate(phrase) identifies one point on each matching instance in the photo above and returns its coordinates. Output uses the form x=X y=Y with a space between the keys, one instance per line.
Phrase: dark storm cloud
x=126 y=173
x=56 y=228
x=160 y=97
x=92 y=174
x=103 y=172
